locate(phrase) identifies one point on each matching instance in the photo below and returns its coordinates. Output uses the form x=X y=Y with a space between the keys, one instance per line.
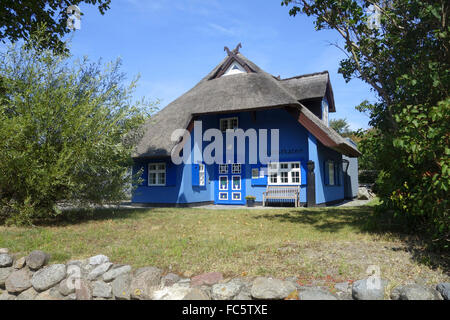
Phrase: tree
x=67 y=131
x=20 y=18
x=341 y=126
x=404 y=57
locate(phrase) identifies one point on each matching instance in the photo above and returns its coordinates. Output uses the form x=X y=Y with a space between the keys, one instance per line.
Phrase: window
x=284 y=173
x=157 y=174
x=236 y=196
x=228 y=123
x=255 y=173
x=223 y=168
x=223 y=195
x=235 y=68
x=332 y=173
x=223 y=183
x=236 y=168
x=236 y=183
x=201 y=174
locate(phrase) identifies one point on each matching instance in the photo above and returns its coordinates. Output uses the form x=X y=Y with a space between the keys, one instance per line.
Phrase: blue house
x=289 y=115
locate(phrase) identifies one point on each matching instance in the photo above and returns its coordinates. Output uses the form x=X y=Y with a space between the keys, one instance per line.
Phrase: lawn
x=316 y=245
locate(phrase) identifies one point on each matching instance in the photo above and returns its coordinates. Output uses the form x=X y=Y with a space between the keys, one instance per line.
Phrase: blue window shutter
x=171 y=173
x=326 y=173
x=195 y=175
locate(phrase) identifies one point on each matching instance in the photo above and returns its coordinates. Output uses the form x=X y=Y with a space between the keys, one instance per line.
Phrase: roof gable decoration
x=233 y=64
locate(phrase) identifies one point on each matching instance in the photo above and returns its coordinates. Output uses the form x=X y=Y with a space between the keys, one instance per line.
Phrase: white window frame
x=220 y=184
x=224 y=167
x=275 y=168
x=232 y=182
x=232 y=196
x=232 y=70
x=330 y=172
x=157 y=173
x=229 y=122
x=201 y=174
x=236 y=165
x=225 y=193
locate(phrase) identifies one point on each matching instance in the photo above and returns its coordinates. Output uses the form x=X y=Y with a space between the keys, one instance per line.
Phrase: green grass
x=312 y=244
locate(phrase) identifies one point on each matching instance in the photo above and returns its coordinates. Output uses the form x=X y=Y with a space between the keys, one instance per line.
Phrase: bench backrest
x=282 y=191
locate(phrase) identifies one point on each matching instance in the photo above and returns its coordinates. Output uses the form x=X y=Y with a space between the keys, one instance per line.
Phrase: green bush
x=65 y=132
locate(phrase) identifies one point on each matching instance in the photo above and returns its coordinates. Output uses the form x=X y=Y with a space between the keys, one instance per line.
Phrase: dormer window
x=234 y=68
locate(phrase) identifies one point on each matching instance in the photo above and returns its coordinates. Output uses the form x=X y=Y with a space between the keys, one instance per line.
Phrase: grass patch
x=316 y=244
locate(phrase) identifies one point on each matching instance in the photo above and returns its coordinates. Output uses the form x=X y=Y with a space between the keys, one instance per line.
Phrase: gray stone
x=173 y=292
x=144 y=282
x=414 y=292
x=342 y=286
x=226 y=291
x=4 y=274
x=98 y=259
x=83 y=290
x=101 y=289
x=29 y=294
x=50 y=294
x=71 y=296
x=48 y=277
x=4 y=250
x=99 y=270
x=315 y=294
x=115 y=272
x=36 y=259
x=366 y=290
x=271 y=289
x=67 y=286
x=364 y=194
x=18 y=281
x=20 y=263
x=170 y=279
x=121 y=287
x=196 y=294
x=243 y=295
x=444 y=289
x=6 y=260
x=6 y=296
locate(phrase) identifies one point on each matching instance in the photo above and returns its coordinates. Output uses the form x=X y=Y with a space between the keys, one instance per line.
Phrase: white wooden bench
x=279 y=193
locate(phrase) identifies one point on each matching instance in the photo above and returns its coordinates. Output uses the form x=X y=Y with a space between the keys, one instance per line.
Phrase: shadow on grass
x=364 y=219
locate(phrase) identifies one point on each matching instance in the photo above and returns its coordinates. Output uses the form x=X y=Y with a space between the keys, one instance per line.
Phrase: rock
x=363 y=194
x=4 y=274
x=4 y=250
x=206 y=279
x=50 y=294
x=270 y=289
x=6 y=296
x=101 y=289
x=48 y=277
x=18 y=281
x=71 y=296
x=20 y=263
x=243 y=295
x=226 y=291
x=36 y=259
x=98 y=259
x=28 y=294
x=6 y=260
x=365 y=290
x=115 y=272
x=342 y=286
x=83 y=290
x=196 y=294
x=315 y=294
x=121 y=287
x=144 y=282
x=67 y=286
x=170 y=279
x=414 y=292
x=99 y=270
x=444 y=290
x=173 y=292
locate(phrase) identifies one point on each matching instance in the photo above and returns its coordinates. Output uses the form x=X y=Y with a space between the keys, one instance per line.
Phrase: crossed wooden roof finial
x=235 y=51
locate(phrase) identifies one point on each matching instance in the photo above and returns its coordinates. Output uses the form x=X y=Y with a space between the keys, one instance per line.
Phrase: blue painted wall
x=296 y=144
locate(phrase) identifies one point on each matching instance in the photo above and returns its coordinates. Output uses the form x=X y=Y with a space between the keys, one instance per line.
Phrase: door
x=230 y=187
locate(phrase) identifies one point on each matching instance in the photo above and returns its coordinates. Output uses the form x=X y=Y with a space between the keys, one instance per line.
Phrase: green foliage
x=20 y=18
x=405 y=60
x=341 y=126
x=63 y=125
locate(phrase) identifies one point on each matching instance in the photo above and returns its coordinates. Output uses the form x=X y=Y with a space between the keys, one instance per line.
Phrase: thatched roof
x=253 y=90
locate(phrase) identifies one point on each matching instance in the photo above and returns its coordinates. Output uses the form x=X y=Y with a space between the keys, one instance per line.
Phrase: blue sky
x=173 y=44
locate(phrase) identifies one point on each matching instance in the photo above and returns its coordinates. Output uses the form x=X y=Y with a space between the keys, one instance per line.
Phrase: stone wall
x=96 y=278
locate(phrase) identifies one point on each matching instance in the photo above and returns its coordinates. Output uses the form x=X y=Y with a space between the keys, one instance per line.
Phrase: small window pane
x=255 y=173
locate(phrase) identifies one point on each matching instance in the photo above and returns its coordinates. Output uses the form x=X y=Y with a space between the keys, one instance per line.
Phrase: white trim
x=232 y=182
x=201 y=174
x=225 y=166
x=232 y=196
x=229 y=123
x=220 y=184
x=238 y=165
x=277 y=169
x=225 y=193
x=235 y=68
x=157 y=171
